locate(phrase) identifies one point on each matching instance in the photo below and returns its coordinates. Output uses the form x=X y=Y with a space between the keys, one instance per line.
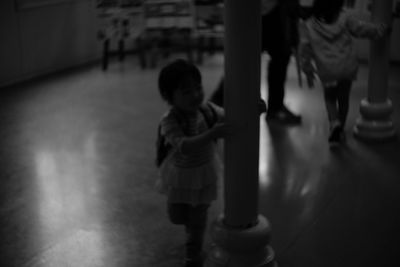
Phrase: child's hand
x=222 y=130
x=383 y=29
x=262 y=107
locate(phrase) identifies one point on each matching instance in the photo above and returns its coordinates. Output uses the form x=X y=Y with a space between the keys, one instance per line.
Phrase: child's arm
x=219 y=111
x=192 y=143
x=173 y=132
x=364 y=29
x=262 y=106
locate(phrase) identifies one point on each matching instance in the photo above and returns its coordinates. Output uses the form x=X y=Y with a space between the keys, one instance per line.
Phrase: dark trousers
x=277 y=42
x=337 y=101
x=277 y=68
x=194 y=218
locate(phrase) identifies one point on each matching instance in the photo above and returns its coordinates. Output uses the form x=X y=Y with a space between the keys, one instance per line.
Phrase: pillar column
x=241 y=236
x=375 y=123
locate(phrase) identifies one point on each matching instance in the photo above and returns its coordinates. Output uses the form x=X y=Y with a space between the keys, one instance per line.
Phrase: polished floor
x=77 y=174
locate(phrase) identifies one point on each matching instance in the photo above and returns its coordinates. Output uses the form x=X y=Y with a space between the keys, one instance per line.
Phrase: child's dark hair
x=327 y=10
x=173 y=75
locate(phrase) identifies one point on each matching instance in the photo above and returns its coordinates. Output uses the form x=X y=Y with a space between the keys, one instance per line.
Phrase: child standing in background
x=189 y=174
x=326 y=40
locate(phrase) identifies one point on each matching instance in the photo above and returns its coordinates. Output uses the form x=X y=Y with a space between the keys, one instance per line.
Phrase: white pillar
x=375 y=123
x=241 y=235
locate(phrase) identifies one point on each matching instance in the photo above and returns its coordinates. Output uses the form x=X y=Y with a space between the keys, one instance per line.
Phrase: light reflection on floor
x=266 y=155
x=67 y=180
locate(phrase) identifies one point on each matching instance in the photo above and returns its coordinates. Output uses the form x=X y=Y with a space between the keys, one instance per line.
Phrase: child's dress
x=189 y=178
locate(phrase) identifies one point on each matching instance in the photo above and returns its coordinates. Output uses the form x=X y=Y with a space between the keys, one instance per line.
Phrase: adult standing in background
x=279 y=38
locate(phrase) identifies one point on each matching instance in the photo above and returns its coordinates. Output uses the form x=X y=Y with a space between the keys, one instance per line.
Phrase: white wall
x=39 y=40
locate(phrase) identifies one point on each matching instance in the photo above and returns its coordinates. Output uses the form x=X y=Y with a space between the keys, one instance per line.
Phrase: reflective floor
x=77 y=174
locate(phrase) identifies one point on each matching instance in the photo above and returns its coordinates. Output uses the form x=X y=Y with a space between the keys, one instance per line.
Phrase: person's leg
x=195 y=231
x=277 y=71
x=276 y=44
x=277 y=68
x=331 y=103
x=343 y=100
x=331 y=98
x=272 y=40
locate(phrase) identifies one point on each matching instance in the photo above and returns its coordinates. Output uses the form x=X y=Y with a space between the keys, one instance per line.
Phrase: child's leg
x=195 y=230
x=343 y=100
x=330 y=96
x=178 y=213
x=331 y=103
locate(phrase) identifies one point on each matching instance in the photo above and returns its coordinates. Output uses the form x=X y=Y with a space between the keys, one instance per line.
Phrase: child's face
x=189 y=96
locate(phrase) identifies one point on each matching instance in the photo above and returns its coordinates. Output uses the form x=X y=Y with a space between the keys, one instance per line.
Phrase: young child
x=190 y=172
x=327 y=41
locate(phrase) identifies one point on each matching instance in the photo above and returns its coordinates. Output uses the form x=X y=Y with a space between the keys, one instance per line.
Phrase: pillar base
x=375 y=123
x=241 y=247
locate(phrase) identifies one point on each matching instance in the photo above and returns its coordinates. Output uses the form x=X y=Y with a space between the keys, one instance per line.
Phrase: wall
x=42 y=39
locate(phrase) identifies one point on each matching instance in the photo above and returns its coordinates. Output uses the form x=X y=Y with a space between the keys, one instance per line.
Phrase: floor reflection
x=68 y=187
x=266 y=156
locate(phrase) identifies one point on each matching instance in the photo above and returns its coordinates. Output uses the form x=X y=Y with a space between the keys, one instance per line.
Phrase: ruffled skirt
x=196 y=185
